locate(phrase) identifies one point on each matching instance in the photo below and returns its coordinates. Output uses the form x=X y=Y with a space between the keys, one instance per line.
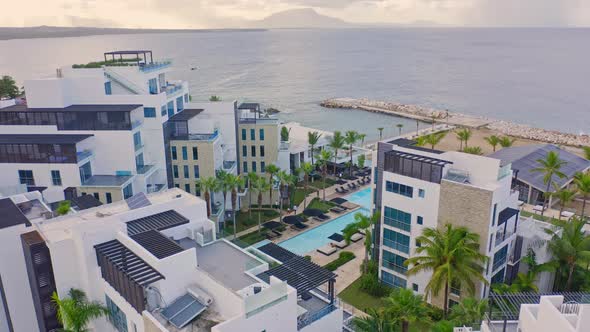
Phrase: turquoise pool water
x=318 y=237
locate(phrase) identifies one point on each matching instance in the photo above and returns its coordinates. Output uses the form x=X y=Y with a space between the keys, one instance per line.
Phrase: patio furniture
x=343 y=190
x=338 y=200
x=538 y=208
x=567 y=214
x=270 y=235
x=327 y=250
x=341 y=245
x=323 y=217
x=291 y=220
x=336 y=237
x=356 y=237
x=306 y=296
x=277 y=232
x=336 y=210
x=299 y=226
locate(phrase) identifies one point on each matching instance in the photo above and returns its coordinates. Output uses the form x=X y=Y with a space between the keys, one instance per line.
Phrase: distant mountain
x=299 y=18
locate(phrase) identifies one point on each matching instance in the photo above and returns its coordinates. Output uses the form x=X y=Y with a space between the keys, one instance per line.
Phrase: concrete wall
x=206 y=162
x=116 y=193
x=270 y=143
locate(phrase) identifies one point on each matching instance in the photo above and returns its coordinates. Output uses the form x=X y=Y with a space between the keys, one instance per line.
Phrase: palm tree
x=259 y=186
x=506 y=141
x=350 y=138
x=323 y=158
x=336 y=143
x=285 y=179
x=234 y=182
x=207 y=186
x=380 y=132
x=493 y=141
x=375 y=321
x=463 y=135
x=434 y=139
x=549 y=167
x=582 y=181
x=365 y=223
x=565 y=197
x=306 y=168
x=313 y=137
x=469 y=311
x=586 y=150
x=8 y=88
x=285 y=133
x=76 y=312
x=362 y=139
x=569 y=246
x=271 y=170
x=399 y=128
x=476 y=150
x=251 y=178
x=222 y=184
x=407 y=307
x=452 y=254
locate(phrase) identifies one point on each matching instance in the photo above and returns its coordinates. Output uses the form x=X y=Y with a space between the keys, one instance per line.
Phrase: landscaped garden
x=249 y=219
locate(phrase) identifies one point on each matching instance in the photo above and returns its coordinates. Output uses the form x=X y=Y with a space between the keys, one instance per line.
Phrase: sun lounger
x=327 y=250
x=317 y=219
x=336 y=210
x=356 y=237
x=344 y=190
x=362 y=231
x=299 y=226
x=323 y=217
x=277 y=232
x=271 y=235
x=342 y=244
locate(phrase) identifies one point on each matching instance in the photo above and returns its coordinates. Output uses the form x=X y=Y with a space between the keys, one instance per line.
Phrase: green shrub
x=343 y=258
x=308 y=257
x=371 y=285
x=436 y=313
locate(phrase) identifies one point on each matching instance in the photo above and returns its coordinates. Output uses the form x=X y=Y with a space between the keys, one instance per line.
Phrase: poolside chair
x=277 y=232
x=299 y=226
x=356 y=237
x=271 y=235
x=317 y=219
x=327 y=250
x=336 y=210
x=343 y=190
x=341 y=245
x=323 y=217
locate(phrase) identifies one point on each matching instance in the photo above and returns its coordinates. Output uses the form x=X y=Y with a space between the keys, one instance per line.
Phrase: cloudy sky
x=235 y=13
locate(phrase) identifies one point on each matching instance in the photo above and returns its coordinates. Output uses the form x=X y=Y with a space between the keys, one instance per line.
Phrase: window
x=398 y=219
x=26 y=177
x=418 y=244
x=186 y=97
x=137 y=140
x=107 y=88
x=149 y=112
x=197 y=191
x=163 y=110
x=174 y=153
x=494 y=214
x=394 y=262
x=262 y=150
x=254 y=166
x=195 y=153
x=252 y=134
x=56 y=178
x=175 y=171
x=391 y=280
x=415 y=287
x=170 y=106
x=96 y=195
x=196 y=171
x=244 y=151
x=176 y=185
x=253 y=149
x=179 y=104
x=109 y=198
x=245 y=167
x=153 y=85
x=116 y=317
x=184 y=153
x=187 y=188
x=452 y=303
x=498 y=277
x=261 y=134
x=456 y=287
x=396 y=241
x=262 y=167
x=420 y=220
x=500 y=258
x=400 y=189
x=127 y=191
x=421 y=193
x=243 y=134
x=185 y=171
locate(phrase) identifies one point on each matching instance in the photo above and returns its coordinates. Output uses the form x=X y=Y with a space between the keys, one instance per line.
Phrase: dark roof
x=277 y=252
x=11 y=215
x=185 y=115
x=42 y=139
x=524 y=160
x=75 y=108
x=86 y=202
x=421 y=158
x=249 y=106
x=127 y=262
x=128 y=52
x=158 y=221
x=158 y=244
x=411 y=144
x=301 y=274
x=506 y=214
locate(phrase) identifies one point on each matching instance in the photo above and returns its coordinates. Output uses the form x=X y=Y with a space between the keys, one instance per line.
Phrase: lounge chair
x=342 y=244
x=356 y=237
x=271 y=235
x=317 y=219
x=362 y=231
x=299 y=226
x=336 y=210
x=306 y=296
x=277 y=232
x=323 y=217
x=342 y=207
x=327 y=250
x=343 y=190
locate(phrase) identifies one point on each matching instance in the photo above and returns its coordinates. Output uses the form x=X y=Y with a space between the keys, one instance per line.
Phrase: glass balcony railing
x=399 y=225
x=203 y=137
x=173 y=89
x=313 y=316
x=394 y=267
x=144 y=169
x=149 y=67
x=397 y=246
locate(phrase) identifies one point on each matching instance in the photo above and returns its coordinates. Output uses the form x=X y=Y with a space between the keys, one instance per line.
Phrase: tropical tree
x=271 y=170
x=526 y=282
x=380 y=132
x=76 y=312
x=362 y=222
x=336 y=142
x=222 y=184
x=463 y=135
x=399 y=128
x=569 y=246
x=350 y=138
x=493 y=140
x=207 y=186
x=8 y=88
x=63 y=208
x=431 y=139
x=469 y=311
x=285 y=132
x=565 y=196
x=582 y=181
x=476 y=150
x=586 y=150
x=375 y=321
x=507 y=142
x=323 y=158
x=313 y=137
x=360 y=161
x=407 y=307
x=285 y=180
x=259 y=186
x=251 y=178
x=451 y=254
x=362 y=138
x=306 y=168
x=549 y=167
x=215 y=98
x=235 y=182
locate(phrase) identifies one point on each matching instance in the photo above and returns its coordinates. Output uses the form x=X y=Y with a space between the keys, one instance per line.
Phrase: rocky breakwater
x=538 y=134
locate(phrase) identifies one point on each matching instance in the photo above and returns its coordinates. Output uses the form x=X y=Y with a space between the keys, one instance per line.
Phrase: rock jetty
x=453 y=118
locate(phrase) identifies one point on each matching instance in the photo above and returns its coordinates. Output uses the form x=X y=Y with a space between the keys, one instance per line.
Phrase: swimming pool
x=318 y=237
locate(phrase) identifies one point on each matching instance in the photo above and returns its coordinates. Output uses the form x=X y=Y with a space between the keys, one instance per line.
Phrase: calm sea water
x=534 y=76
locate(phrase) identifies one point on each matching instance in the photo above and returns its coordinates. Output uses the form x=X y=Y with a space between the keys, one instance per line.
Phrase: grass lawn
x=300 y=194
x=250 y=238
x=317 y=203
x=353 y=295
x=320 y=184
x=243 y=221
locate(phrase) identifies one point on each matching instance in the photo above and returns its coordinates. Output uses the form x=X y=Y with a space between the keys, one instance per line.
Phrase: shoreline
x=427 y=114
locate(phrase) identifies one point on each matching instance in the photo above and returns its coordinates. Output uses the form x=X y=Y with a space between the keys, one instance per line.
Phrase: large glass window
x=398 y=219
x=394 y=262
x=170 y=106
x=253 y=149
x=127 y=191
x=262 y=150
x=187 y=187
x=153 y=85
x=254 y=166
x=137 y=140
x=396 y=241
x=185 y=171
x=38 y=153
x=184 y=153
x=196 y=171
x=179 y=104
x=500 y=257
x=163 y=110
x=245 y=167
x=149 y=112
x=243 y=134
x=26 y=177
x=56 y=178
x=261 y=134
x=195 y=153
x=175 y=171
x=116 y=317
x=252 y=134
x=108 y=88
x=400 y=189
x=393 y=281
x=244 y=151
x=85 y=172
x=174 y=153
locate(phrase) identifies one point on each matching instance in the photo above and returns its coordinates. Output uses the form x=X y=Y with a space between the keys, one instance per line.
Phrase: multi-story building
x=156 y=264
x=416 y=188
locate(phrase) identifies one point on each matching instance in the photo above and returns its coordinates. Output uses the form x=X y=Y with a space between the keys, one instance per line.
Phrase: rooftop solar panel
x=183 y=310
x=137 y=201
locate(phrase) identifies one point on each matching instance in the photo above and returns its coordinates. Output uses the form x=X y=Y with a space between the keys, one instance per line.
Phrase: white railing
x=124 y=82
x=570 y=308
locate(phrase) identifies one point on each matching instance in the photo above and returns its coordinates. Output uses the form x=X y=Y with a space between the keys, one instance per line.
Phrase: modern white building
x=416 y=188
x=155 y=262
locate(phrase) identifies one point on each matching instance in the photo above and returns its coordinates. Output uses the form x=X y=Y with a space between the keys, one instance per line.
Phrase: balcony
x=156 y=187
x=498 y=263
x=172 y=89
x=394 y=267
x=397 y=224
x=397 y=246
x=313 y=316
x=229 y=166
x=82 y=156
x=145 y=169
x=203 y=137
x=150 y=67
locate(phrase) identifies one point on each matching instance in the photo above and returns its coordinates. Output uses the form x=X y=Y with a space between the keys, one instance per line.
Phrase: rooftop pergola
x=159 y=221
x=123 y=55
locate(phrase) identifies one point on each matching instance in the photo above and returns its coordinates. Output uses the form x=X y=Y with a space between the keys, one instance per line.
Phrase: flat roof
x=417 y=157
x=411 y=144
x=107 y=180
x=75 y=108
x=11 y=215
x=186 y=115
x=86 y=202
x=42 y=139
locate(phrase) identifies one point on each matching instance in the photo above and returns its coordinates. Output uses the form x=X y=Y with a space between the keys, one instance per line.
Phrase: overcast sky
x=233 y=13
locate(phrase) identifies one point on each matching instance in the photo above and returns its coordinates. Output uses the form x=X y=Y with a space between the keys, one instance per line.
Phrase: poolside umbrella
x=338 y=200
x=291 y=220
x=336 y=237
x=271 y=225
x=313 y=212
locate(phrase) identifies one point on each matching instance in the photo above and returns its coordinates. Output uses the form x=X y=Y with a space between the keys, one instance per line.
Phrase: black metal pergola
x=159 y=221
x=157 y=244
x=122 y=55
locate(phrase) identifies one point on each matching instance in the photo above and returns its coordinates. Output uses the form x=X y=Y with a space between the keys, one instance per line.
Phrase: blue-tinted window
x=262 y=167
x=400 y=189
x=252 y=134
x=175 y=171
x=26 y=177
x=393 y=281
x=415 y=287
x=195 y=153
x=500 y=258
x=163 y=110
x=245 y=167
x=254 y=166
x=137 y=140
x=174 y=153
x=420 y=220
x=187 y=187
x=184 y=153
x=107 y=88
x=421 y=193
x=394 y=262
x=397 y=218
x=196 y=171
x=128 y=191
x=253 y=149
x=186 y=98
x=149 y=112
x=185 y=171
x=243 y=134
x=170 y=108
x=56 y=178
x=116 y=316
x=179 y=104
x=153 y=84
x=261 y=134
x=244 y=151
x=262 y=150
x=498 y=278
x=396 y=240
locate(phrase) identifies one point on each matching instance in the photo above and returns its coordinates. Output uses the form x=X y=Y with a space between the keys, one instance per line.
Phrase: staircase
x=125 y=83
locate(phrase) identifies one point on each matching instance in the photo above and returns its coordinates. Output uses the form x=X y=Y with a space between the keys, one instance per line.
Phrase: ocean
x=538 y=77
